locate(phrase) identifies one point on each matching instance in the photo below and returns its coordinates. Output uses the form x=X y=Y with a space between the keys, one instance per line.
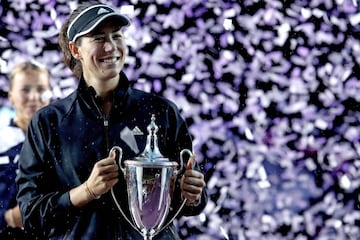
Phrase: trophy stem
x=147 y=234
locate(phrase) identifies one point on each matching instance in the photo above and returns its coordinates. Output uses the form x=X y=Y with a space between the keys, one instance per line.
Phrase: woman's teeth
x=109 y=60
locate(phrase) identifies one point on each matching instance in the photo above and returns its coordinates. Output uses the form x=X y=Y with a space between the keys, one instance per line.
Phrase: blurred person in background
x=6 y=114
x=29 y=89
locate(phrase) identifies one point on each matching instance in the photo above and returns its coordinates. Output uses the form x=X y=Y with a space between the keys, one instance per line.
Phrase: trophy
x=150 y=180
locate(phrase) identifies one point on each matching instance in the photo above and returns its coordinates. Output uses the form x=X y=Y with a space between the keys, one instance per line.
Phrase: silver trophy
x=150 y=180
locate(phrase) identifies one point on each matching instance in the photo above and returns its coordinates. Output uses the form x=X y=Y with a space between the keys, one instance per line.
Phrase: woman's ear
x=74 y=50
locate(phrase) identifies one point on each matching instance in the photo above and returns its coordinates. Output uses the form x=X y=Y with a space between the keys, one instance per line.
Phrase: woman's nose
x=109 y=45
x=34 y=95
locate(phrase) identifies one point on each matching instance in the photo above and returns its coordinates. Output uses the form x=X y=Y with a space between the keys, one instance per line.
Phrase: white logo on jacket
x=128 y=137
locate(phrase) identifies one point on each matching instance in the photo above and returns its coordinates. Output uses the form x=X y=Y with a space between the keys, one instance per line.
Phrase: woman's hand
x=103 y=177
x=13 y=217
x=192 y=183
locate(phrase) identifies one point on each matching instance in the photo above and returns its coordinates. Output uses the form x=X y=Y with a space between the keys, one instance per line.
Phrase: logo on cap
x=102 y=10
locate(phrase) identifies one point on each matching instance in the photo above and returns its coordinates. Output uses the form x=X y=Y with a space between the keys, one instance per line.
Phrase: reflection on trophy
x=150 y=178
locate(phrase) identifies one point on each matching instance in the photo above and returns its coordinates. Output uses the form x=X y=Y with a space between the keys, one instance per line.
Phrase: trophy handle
x=184 y=201
x=120 y=158
x=182 y=159
x=112 y=190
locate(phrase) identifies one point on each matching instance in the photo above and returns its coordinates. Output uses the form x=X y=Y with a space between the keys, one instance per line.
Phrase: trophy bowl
x=150 y=180
x=149 y=194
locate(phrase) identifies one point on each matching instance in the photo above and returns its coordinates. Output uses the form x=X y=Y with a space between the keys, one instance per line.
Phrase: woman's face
x=27 y=93
x=102 y=52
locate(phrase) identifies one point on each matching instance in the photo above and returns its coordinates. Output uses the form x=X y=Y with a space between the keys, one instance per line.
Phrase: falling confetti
x=270 y=90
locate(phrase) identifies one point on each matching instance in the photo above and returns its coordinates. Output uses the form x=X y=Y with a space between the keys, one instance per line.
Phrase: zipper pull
x=106 y=123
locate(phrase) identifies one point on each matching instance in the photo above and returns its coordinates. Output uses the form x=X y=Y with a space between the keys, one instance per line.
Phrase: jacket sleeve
x=42 y=203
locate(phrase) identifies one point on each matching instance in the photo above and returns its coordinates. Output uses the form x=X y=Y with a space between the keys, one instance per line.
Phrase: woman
x=29 y=88
x=66 y=171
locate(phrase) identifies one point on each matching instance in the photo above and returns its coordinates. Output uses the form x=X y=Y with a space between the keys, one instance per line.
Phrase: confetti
x=271 y=93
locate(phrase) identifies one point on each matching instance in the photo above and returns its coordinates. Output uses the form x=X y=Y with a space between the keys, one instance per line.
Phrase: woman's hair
x=28 y=66
x=69 y=60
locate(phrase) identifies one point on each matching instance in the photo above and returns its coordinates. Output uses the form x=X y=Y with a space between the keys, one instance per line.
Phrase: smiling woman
x=69 y=141
x=84 y=20
x=102 y=55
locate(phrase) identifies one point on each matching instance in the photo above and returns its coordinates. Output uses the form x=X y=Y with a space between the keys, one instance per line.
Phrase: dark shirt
x=11 y=141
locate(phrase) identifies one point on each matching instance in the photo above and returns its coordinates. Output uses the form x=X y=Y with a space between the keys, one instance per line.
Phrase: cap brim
x=115 y=18
x=91 y=17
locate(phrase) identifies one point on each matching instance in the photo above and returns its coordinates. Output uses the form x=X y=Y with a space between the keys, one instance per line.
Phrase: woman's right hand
x=103 y=177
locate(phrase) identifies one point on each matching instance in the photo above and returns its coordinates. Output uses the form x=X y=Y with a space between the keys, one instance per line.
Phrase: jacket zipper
x=105 y=122
x=106 y=131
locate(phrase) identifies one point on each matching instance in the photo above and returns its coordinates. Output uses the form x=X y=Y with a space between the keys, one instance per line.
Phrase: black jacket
x=64 y=141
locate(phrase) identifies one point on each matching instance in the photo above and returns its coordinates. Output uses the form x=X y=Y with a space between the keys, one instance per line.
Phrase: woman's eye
x=40 y=89
x=25 y=90
x=99 y=38
x=118 y=36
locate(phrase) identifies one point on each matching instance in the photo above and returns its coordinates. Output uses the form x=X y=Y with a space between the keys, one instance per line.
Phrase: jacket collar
x=123 y=84
x=87 y=93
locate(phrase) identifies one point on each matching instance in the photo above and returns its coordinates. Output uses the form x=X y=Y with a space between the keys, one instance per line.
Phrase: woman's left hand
x=192 y=182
